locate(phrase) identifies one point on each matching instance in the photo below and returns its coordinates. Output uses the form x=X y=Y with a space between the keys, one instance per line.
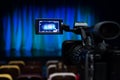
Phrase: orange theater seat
x=13 y=70
x=5 y=77
x=62 y=76
x=29 y=77
x=19 y=63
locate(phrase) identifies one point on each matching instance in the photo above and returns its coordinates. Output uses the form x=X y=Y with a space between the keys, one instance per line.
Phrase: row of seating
x=55 y=70
x=19 y=70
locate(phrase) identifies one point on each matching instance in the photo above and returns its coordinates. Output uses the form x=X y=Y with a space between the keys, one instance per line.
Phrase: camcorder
x=97 y=52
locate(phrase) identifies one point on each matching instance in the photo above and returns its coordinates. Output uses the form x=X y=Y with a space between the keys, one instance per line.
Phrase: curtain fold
x=19 y=29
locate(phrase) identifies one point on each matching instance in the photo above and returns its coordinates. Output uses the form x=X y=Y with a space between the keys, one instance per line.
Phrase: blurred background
x=17 y=27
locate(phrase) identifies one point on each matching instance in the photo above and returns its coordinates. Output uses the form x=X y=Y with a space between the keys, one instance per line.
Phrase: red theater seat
x=72 y=68
x=36 y=63
x=32 y=69
x=62 y=76
x=29 y=77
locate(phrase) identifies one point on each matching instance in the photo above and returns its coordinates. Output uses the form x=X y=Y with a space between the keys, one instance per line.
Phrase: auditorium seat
x=5 y=77
x=72 y=68
x=37 y=63
x=19 y=63
x=31 y=69
x=62 y=76
x=29 y=77
x=49 y=62
x=13 y=70
x=51 y=69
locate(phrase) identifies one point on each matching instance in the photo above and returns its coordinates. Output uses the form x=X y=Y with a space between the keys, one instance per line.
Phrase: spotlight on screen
x=48 y=26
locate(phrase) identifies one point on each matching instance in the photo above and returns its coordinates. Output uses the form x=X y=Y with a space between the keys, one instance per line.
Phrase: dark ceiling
x=104 y=9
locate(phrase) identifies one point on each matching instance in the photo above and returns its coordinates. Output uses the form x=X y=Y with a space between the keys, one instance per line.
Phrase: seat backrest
x=51 y=69
x=62 y=76
x=5 y=77
x=29 y=77
x=37 y=63
x=19 y=63
x=72 y=68
x=31 y=69
x=49 y=62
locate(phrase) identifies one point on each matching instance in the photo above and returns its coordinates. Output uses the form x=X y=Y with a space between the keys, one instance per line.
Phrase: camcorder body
x=97 y=53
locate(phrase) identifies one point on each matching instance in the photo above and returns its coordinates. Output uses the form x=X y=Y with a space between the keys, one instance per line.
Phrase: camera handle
x=86 y=40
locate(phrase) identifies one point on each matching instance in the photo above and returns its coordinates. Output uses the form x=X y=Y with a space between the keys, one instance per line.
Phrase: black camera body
x=98 y=51
x=68 y=52
x=97 y=54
